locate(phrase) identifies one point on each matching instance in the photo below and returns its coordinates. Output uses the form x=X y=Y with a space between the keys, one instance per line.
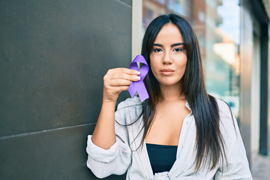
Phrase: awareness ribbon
x=139 y=85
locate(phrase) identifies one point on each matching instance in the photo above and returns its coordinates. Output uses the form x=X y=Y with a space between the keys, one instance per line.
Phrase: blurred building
x=234 y=41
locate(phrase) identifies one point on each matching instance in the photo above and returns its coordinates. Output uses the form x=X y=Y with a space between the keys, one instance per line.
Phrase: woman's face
x=168 y=58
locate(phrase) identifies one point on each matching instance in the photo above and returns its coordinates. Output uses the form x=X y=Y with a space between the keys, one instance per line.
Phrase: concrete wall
x=53 y=56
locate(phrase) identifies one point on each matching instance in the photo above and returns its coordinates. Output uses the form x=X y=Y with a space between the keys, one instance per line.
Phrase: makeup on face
x=167 y=71
x=168 y=57
x=159 y=47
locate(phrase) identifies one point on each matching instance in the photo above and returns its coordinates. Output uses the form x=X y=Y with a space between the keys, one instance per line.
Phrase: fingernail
x=137 y=72
x=137 y=77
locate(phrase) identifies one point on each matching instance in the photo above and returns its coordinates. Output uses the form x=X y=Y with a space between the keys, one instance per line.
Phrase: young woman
x=180 y=132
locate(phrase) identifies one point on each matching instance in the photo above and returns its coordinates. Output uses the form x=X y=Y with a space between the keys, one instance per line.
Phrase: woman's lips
x=167 y=72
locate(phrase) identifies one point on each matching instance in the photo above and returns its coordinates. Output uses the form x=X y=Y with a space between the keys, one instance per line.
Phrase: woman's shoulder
x=227 y=119
x=224 y=108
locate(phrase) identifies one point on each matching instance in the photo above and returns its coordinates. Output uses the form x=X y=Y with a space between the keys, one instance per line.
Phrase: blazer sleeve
x=115 y=160
x=238 y=166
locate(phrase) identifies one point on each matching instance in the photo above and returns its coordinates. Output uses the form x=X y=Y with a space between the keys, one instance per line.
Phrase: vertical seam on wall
x=136 y=28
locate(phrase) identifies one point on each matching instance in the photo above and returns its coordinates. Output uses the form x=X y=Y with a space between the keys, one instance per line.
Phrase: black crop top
x=162 y=157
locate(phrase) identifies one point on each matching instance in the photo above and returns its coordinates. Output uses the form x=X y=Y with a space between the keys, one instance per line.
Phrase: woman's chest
x=167 y=125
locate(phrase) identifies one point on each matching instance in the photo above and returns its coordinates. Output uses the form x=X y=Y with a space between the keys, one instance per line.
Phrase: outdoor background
x=54 y=54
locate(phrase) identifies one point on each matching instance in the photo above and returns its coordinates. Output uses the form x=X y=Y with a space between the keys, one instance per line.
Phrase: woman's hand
x=117 y=80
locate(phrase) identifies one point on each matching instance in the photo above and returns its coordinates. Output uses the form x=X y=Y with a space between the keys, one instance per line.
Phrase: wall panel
x=53 y=56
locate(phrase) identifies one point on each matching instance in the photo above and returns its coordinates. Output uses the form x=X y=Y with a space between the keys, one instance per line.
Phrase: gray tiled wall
x=53 y=56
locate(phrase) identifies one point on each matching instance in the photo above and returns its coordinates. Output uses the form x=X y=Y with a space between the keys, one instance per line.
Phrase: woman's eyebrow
x=177 y=44
x=157 y=45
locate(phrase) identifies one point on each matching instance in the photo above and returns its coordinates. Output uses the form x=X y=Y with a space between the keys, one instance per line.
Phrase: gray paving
x=261 y=168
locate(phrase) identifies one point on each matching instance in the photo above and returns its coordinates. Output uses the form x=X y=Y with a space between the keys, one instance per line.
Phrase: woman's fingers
x=127 y=71
x=122 y=88
x=118 y=80
x=114 y=82
x=113 y=91
x=124 y=76
x=120 y=76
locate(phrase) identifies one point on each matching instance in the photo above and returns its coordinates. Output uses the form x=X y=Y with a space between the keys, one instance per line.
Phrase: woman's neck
x=171 y=93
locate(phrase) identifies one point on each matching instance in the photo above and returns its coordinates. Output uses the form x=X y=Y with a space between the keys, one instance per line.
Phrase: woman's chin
x=169 y=83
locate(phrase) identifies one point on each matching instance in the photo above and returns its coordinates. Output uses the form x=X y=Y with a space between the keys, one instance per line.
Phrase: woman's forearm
x=104 y=133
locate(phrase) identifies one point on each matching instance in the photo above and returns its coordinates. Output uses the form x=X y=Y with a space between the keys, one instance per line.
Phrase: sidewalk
x=261 y=168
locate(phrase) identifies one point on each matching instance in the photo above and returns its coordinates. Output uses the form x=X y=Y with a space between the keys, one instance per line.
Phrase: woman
x=180 y=132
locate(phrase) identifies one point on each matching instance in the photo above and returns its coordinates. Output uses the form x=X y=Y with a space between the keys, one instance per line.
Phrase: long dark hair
x=209 y=141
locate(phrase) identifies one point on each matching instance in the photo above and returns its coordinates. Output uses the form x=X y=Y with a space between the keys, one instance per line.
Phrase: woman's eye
x=178 y=49
x=157 y=50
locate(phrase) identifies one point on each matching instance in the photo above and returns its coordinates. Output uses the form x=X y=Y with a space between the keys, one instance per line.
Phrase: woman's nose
x=166 y=58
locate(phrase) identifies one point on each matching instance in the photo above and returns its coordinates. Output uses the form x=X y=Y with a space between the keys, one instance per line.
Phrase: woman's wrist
x=108 y=101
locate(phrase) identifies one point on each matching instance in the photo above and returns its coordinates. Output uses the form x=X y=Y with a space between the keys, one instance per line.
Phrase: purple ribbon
x=139 y=85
